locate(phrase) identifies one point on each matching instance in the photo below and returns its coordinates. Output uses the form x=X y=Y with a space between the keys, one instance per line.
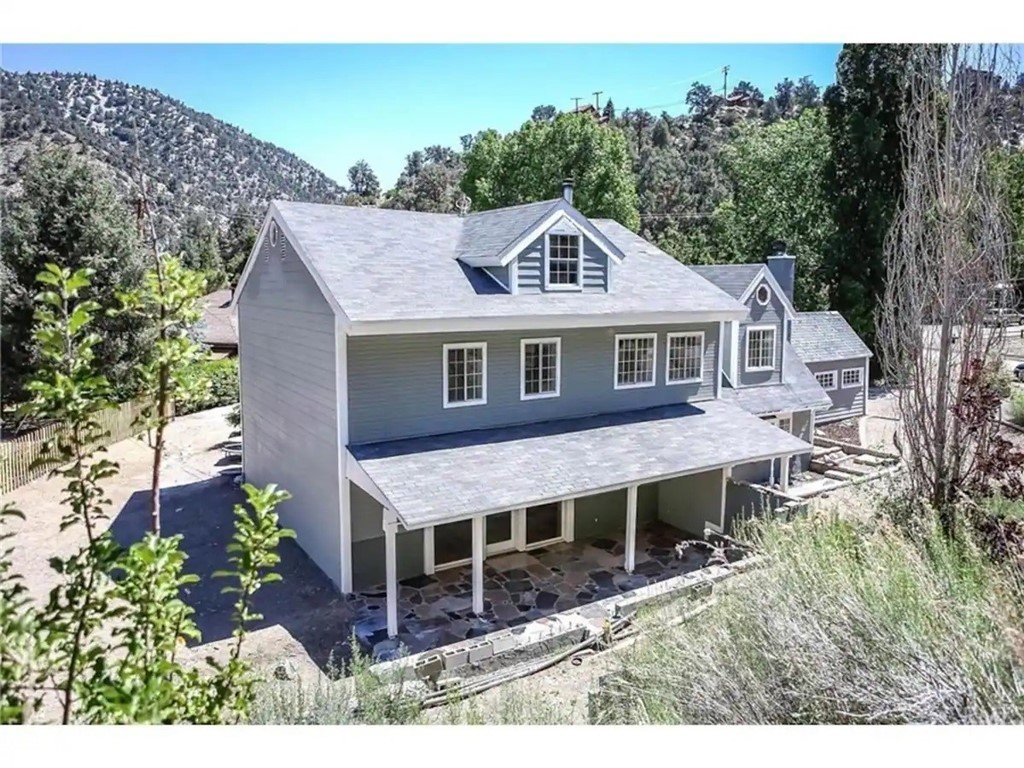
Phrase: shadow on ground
x=306 y=604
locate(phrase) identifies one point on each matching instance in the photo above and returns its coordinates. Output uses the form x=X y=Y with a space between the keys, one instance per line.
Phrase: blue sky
x=333 y=104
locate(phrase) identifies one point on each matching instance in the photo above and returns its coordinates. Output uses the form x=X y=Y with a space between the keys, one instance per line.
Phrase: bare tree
x=947 y=247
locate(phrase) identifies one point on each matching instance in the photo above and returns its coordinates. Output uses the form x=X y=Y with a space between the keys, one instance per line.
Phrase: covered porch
x=469 y=498
x=520 y=587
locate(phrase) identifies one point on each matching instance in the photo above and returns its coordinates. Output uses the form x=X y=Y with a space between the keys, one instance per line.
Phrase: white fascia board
x=251 y=260
x=358 y=475
x=766 y=274
x=535 y=322
x=273 y=214
x=578 y=221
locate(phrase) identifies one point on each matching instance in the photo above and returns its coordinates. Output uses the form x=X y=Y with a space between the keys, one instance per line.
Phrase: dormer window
x=563 y=262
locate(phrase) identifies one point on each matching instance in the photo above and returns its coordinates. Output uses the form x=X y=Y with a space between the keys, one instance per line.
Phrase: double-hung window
x=685 y=360
x=761 y=348
x=563 y=262
x=465 y=374
x=540 y=365
x=635 y=358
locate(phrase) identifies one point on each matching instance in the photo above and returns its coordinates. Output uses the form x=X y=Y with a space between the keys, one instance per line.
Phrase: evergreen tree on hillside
x=363 y=181
x=69 y=215
x=237 y=242
x=864 y=175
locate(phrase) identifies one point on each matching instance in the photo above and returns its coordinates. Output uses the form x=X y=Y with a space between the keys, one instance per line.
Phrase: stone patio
x=519 y=587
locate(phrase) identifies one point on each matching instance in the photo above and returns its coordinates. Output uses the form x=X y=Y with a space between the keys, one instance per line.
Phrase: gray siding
x=395 y=382
x=286 y=353
x=848 y=402
x=773 y=314
x=530 y=268
x=689 y=502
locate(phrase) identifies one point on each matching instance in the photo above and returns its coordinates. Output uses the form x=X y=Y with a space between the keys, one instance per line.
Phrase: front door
x=499 y=533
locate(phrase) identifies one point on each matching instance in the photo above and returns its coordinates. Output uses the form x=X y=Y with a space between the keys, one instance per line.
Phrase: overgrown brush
x=852 y=623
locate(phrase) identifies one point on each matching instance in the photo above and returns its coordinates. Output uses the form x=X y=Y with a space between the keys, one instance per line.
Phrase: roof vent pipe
x=567 y=191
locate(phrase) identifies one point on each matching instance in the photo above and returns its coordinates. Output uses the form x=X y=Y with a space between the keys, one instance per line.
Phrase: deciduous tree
x=531 y=163
x=778 y=192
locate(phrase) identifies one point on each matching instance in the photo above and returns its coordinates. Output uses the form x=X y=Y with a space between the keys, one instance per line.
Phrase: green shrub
x=222 y=375
x=852 y=622
x=1017 y=409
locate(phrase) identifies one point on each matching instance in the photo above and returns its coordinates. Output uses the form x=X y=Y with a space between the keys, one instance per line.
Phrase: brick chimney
x=782 y=265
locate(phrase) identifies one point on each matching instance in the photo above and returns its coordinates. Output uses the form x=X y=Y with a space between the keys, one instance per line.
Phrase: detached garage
x=838 y=358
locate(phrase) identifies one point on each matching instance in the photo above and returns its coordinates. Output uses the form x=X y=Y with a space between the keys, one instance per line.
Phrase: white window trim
x=654 y=362
x=557 y=341
x=746 y=348
x=768 y=296
x=835 y=380
x=668 y=356
x=444 y=378
x=548 y=286
x=860 y=378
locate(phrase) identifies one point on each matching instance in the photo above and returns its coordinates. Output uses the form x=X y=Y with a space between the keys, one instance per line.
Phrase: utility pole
x=597 y=100
x=577 y=100
x=725 y=81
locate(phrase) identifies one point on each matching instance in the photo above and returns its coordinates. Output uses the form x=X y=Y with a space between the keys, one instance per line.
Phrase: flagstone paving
x=519 y=587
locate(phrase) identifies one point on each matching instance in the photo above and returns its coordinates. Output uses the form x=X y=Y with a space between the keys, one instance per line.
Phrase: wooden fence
x=18 y=453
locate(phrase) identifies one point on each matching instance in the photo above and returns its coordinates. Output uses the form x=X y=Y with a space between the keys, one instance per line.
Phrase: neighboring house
x=436 y=389
x=219 y=328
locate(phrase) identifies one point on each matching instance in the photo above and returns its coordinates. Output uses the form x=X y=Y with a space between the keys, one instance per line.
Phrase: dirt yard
x=306 y=619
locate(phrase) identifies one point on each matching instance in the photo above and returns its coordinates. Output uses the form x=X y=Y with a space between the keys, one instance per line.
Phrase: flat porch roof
x=431 y=480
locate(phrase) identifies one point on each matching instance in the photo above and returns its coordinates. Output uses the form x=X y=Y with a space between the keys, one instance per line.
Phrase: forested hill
x=197 y=164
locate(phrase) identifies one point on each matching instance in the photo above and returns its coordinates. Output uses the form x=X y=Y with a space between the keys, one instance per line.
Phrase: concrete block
x=455 y=657
x=429 y=667
x=502 y=642
x=480 y=651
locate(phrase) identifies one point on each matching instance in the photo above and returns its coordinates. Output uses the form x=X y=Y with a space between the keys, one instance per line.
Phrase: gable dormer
x=547 y=247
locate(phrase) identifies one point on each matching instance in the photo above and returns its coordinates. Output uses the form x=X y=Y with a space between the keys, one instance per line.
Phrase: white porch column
x=569 y=519
x=391 y=577
x=631 y=492
x=428 y=550
x=726 y=474
x=478 y=564
x=784 y=472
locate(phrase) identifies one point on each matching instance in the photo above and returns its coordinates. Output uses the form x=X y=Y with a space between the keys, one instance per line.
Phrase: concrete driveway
x=305 y=619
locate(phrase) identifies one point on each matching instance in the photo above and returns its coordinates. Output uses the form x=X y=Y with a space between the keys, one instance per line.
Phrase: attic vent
x=273 y=234
x=763 y=295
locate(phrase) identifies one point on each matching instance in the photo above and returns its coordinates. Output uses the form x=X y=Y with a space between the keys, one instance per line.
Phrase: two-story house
x=437 y=389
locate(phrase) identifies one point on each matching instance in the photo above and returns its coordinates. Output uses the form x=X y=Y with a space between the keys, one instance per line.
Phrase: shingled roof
x=219 y=328
x=381 y=264
x=799 y=391
x=734 y=279
x=430 y=480
x=824 y=336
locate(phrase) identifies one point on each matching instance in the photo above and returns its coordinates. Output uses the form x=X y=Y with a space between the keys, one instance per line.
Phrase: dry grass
x=853 y=623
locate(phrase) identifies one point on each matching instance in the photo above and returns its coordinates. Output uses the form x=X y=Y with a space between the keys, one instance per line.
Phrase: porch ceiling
x=432 y=480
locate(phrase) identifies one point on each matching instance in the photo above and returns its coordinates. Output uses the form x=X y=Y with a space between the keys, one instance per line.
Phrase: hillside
x=195 y=163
